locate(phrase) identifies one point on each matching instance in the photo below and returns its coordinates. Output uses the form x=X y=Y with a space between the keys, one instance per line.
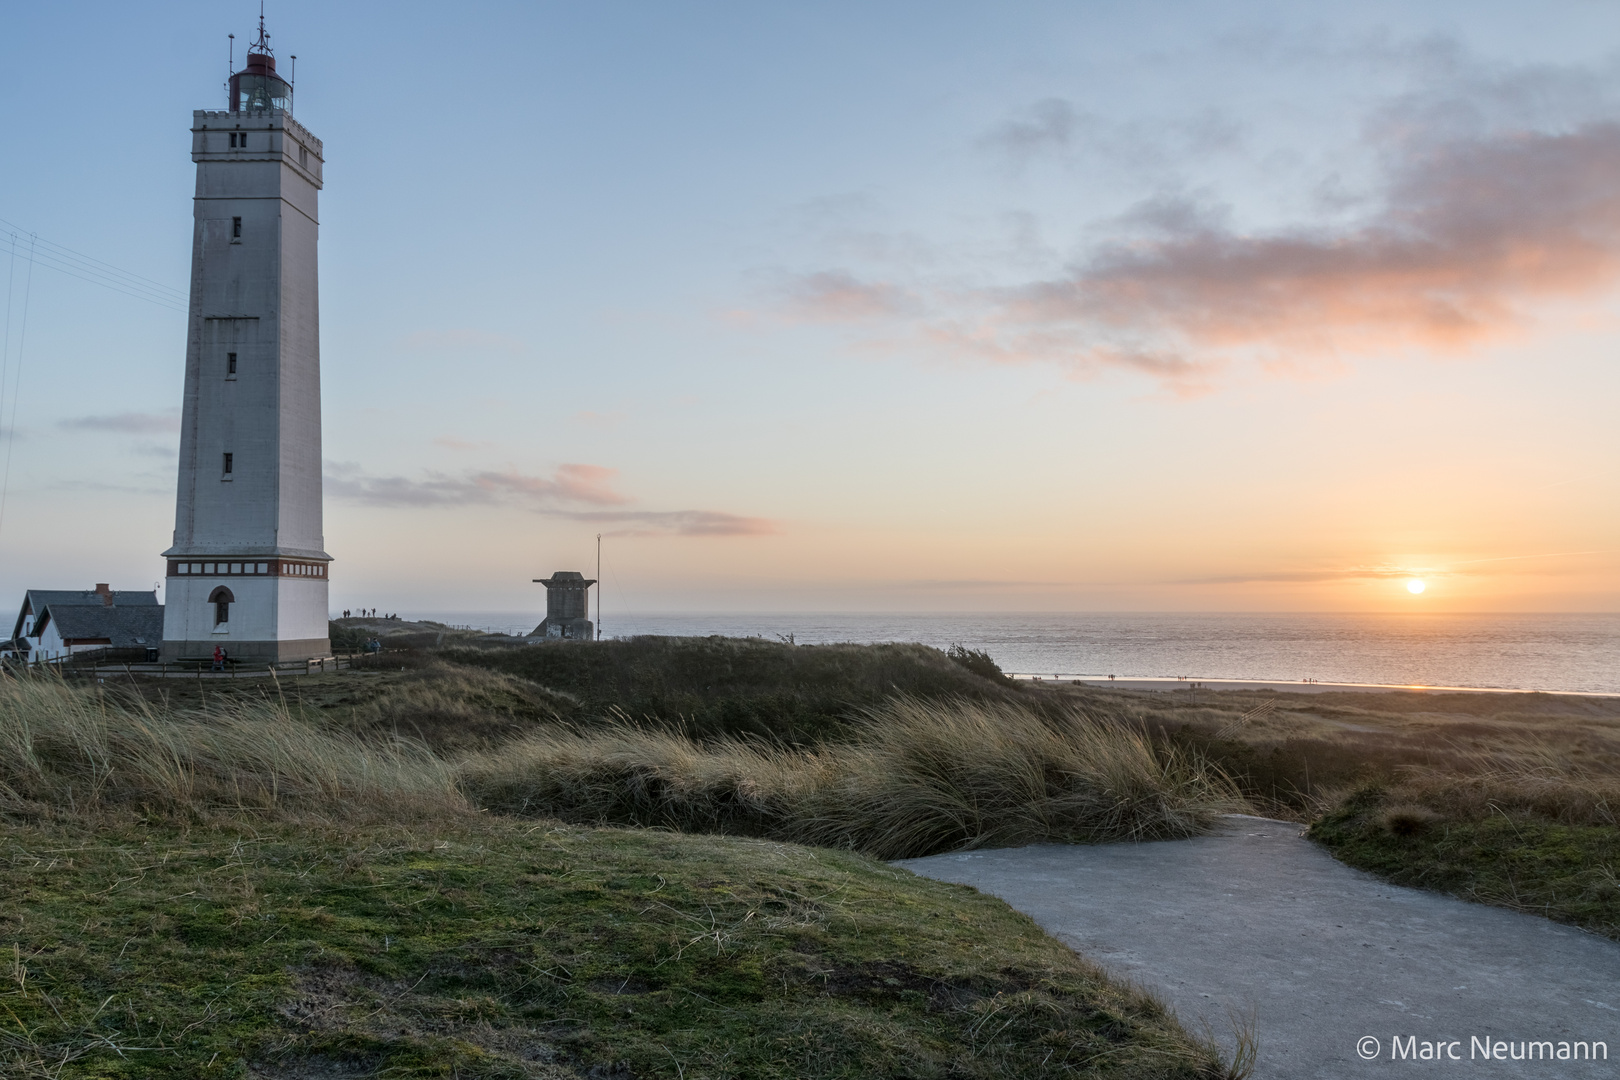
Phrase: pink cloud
x=838 y=296
x=570 y=483
x=1469 y=237
x=679 y=523
x=565 y=493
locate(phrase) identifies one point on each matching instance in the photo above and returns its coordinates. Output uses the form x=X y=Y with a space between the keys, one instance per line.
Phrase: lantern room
x=257 y=86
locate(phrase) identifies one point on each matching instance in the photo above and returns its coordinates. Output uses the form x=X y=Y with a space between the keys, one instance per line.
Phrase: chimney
x=104 y=591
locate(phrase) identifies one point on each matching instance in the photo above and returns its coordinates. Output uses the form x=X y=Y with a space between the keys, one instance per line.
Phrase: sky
x=861 y=307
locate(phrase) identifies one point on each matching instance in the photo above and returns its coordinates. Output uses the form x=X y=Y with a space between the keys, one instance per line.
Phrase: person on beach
x=219 y=658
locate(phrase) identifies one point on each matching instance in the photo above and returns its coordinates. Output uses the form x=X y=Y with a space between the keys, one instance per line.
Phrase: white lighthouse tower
x=248 y=569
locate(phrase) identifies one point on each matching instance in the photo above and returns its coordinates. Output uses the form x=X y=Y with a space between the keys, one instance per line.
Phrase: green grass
x=1504 y=853
x=492 y=948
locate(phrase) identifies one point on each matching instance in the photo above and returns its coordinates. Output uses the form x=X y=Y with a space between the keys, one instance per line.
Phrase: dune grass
x=790 y=694
x=913 y=778
x=910 y=778
x=236 y=889
x=1510 y=800
x=452 y=708
x=75 y=751
x=1298 y=754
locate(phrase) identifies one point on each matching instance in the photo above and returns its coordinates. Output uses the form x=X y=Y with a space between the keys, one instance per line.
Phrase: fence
x=203 y=669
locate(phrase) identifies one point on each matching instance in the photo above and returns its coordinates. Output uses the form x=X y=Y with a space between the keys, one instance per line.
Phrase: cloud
x=1045 y=125
x=1482 y=198
x=1386 y=572
x=570 y=483
x=152 y=449
x=138 y=423
x=1470 y=236
x=1058 y=129
x=566 y=493
x=931 y=584
x=1468 y=239
x=461 y=340
x=451 y=442
x=1374 y=573
x=678 y=523
x=838 y=296
x=591 y=484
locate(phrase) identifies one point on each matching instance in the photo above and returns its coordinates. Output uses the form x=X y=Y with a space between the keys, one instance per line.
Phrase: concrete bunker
x=568 y=607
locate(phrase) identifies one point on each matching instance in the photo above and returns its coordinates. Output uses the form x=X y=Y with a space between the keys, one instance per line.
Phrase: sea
x=1570 y=653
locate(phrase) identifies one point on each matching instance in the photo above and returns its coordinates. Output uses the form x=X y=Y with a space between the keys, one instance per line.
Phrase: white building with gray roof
x=59 y=624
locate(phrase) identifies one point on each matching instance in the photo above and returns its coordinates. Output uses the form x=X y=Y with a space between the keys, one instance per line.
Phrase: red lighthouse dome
x=257 y=86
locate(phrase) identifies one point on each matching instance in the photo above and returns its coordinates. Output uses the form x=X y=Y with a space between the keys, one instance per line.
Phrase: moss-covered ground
x=493 y=948
x=1566 y=872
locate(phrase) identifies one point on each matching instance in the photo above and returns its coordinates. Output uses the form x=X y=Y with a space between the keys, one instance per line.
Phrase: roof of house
x=122 y=627
x=36 y=601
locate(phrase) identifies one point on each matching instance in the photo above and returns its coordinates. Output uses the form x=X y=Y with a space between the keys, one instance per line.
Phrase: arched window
x=222 y=600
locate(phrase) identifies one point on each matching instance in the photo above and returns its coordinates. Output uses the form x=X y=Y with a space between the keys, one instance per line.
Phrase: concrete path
x=1258 y=921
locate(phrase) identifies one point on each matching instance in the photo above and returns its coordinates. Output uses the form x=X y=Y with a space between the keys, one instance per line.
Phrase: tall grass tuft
x=914 y=778
x=927 y=777
x=67 y=750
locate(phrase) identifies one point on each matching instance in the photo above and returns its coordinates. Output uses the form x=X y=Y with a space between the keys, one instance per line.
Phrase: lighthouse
x=248 y=569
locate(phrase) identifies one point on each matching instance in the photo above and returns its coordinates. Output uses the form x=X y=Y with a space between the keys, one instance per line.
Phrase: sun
x=1415 y=586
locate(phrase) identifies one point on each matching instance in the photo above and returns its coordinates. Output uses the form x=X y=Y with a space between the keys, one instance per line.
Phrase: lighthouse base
x=249 y=652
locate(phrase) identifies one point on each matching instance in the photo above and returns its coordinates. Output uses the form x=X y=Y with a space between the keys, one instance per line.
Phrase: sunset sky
x=854 y=306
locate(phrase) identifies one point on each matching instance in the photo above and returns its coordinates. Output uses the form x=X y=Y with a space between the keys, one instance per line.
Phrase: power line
x=22 y=340
x=91 y=259
x=168 y=298
x=86 y=268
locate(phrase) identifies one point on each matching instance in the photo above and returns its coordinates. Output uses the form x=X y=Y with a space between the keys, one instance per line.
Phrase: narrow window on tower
x=222 y=599
x=233 y=140
x=228 y=463
x=303 y=156
x=236 y=228
x=230 y=365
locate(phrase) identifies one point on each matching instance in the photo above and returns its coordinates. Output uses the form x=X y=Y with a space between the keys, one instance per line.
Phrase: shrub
x=977 y=661
x=346 y=639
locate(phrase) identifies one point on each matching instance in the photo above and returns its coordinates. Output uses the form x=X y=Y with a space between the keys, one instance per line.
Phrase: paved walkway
x=1259 y=921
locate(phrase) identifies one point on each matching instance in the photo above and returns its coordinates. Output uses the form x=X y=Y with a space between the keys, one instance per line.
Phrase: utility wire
x=22 y=340
x=90 y=274
x=5 y=345
x=90 y=259
x=87 y=268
